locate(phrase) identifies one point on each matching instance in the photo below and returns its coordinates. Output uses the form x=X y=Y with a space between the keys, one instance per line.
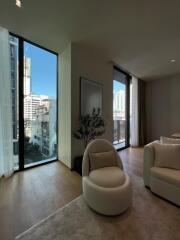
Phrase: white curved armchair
x=106 y=188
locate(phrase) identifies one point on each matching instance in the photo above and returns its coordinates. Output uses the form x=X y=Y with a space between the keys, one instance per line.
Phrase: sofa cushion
x=107 y=177
x=102 y=159
x=167 y=155
x=171 y=176
x=166 y=140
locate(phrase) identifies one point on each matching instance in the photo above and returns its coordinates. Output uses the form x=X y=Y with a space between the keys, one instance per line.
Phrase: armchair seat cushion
x=108 y=177
x=168 y=175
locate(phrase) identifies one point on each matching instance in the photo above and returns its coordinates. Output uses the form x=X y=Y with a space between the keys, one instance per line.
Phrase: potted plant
x=91 y=126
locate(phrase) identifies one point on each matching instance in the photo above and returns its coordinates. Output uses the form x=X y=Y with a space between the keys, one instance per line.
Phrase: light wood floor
x=133 y=160
x=29 y=196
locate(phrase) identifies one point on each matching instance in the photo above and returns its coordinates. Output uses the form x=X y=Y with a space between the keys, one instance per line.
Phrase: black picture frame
x=91 y=96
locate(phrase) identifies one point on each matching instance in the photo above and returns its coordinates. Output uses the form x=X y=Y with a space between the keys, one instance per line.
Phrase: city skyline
x=43 y=70
x=118 y=100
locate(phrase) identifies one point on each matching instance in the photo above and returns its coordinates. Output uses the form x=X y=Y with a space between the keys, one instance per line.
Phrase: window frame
x=127 y=110
x=21 y=41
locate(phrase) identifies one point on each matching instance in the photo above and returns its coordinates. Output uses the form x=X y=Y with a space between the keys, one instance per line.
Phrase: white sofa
x=106 y=189
x=163 y=181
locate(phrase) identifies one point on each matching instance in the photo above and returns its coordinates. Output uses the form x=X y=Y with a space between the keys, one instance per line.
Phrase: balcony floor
x=119 y=145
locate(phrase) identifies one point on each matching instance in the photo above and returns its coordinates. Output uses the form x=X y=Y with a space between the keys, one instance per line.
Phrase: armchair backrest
x=149 y=157
x=98 y=146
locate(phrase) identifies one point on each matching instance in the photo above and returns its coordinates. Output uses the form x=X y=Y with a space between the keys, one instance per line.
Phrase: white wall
x=162 y=107
x=64 y=107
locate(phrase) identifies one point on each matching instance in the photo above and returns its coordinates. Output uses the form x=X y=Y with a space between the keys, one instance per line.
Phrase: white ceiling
x=141 y=36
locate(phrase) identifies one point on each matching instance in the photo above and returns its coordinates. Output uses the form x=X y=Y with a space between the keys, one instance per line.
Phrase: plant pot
x=78 y=164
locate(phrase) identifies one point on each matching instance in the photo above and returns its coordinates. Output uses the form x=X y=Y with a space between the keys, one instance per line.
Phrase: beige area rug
x=149 y=218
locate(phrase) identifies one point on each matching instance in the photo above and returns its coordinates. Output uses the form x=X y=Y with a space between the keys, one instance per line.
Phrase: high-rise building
x=119 y=104
x=44 y=127
x=31 y=104
x=27 y=76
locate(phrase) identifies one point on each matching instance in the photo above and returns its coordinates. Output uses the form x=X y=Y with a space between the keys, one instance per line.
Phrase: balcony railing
x=119 y=131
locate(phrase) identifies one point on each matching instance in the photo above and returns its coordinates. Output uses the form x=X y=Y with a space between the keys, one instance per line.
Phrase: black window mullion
x=128 y=112
x=21 y=104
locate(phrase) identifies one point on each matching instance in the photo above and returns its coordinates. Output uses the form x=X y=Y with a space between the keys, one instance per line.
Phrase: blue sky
x=43 y=70
x=118 y=86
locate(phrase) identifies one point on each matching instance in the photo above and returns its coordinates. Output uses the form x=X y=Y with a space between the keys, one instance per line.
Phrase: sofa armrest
x=148 y=162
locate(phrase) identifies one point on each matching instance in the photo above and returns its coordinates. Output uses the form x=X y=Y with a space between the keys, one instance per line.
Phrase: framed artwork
x=91 y=96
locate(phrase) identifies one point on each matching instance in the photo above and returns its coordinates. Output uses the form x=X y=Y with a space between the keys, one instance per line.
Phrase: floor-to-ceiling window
x=34 y=88
x=121 y=108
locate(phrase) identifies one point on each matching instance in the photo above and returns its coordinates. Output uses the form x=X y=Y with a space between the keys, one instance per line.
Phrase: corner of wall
x=64 y=107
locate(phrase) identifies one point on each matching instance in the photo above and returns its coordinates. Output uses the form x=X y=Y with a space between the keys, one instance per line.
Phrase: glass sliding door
x=40 y=89
x=121 y=109
x=34 y=103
